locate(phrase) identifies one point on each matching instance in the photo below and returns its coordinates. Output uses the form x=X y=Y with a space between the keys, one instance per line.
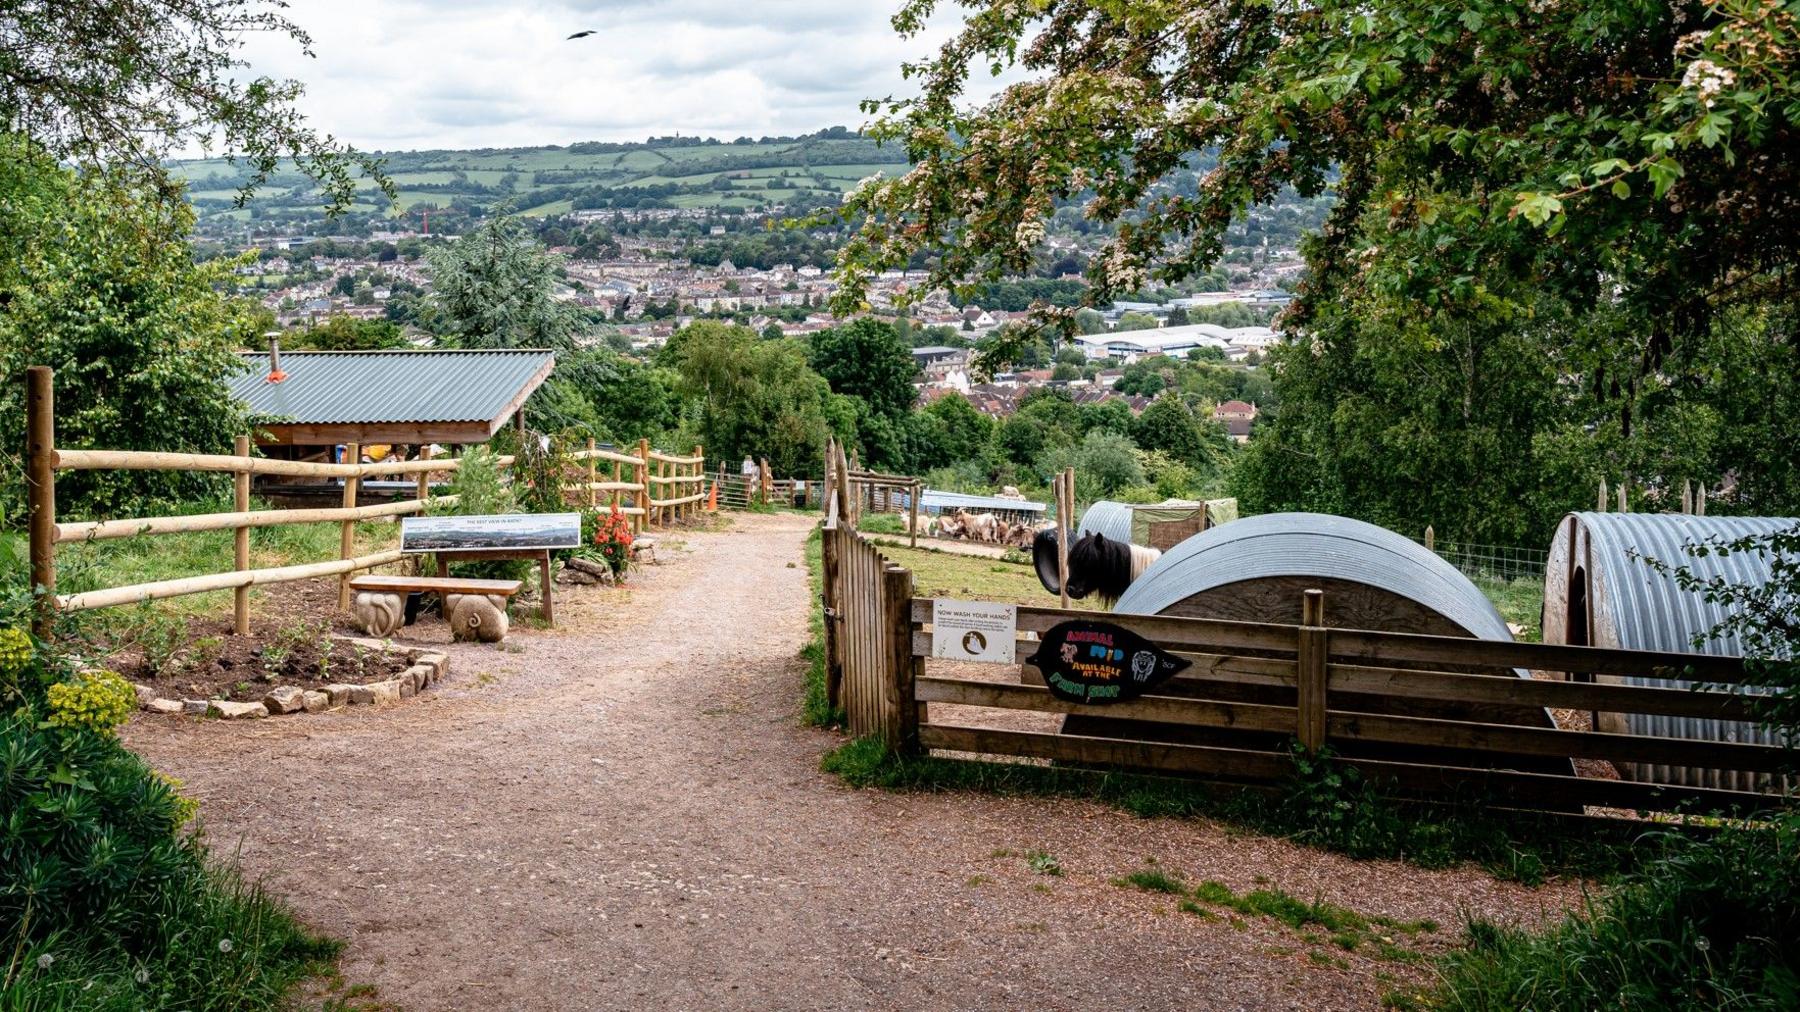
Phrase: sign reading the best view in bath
x=1098 y=662
x=510 y=532
x=974 y=630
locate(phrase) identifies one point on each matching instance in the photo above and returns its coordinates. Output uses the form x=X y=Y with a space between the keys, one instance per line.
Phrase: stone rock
x=408 y=687
x=195 y=705
x=145 y=694
x=313 y=701
x=339 y=694
x=422 y=675
x=477 y=617
x=379 y=614
x=160 y=705
x=599 y=570
x=225 y=709
x=283 y=699
x=376 y=693
x=577 y=578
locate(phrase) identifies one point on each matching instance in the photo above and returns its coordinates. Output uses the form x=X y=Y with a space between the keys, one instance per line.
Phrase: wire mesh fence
x=1492 y=562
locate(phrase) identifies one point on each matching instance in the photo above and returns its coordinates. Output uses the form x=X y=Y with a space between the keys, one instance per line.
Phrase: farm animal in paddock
x=983 y=527
x=1011 y=492
x=927 y=524
x=1097 y=565
x=950 y=525
x=1022 y=536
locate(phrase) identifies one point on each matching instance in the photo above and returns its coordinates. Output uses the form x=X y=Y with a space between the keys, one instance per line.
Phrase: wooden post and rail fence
x=631 y=474
x=1428 y=717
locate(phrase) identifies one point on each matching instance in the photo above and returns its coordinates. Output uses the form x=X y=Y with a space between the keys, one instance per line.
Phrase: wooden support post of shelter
x=347 y=529
x=1430 y=539
x=40 y=488
x=1311 y=671
x=240 y=596
x=1603 y=498
x=424 y=492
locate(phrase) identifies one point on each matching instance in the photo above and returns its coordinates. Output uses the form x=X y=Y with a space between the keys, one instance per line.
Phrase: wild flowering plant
x=96 y=700
x=612 y=538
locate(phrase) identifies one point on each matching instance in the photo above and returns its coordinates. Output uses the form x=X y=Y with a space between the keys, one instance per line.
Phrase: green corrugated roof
x=348 y=387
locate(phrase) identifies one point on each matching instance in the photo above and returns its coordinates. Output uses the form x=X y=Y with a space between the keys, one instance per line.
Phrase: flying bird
x=581 y=34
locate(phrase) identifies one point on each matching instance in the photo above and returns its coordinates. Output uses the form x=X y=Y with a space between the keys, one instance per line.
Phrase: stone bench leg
x=379 y=614
x=477 y=616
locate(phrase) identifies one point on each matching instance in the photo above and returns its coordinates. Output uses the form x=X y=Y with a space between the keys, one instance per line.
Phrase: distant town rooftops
x=1174 y=340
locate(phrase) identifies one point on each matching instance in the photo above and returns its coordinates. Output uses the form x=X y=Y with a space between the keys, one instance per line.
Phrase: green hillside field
x=666 y=172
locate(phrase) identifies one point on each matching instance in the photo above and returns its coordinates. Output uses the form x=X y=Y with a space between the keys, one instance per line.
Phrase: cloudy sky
x=403 y=74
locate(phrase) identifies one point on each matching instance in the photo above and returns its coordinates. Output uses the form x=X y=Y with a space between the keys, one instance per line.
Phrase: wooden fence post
x=347 y=530
x=240 y=603
x=643 y=469
x=832 y=603
x=1430 y=539
x=914 y=493
x=698 y=506
x=593 y=477
x=1065 y=525
x=40 y=490
x=1311 y=670
x=830 y=474
x=901 y=728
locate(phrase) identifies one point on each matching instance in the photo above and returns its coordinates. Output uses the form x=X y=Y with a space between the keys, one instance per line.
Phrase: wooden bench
x=476 y=609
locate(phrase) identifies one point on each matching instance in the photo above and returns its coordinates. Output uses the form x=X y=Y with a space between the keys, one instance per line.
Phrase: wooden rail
x=646 y=469
x=1425 y=716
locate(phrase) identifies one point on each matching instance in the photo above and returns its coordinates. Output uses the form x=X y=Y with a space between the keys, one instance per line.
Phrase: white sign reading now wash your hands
x=974 y=630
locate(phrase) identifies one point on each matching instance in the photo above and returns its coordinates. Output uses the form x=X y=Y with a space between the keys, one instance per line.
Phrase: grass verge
x=815 y=709
x=1712 y=924
x=1323 y=805
x=223 y=944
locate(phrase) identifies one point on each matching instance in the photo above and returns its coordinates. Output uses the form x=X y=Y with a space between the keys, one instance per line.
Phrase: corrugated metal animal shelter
x=1600 y=591
x=1258 y=569
x=1156 y=525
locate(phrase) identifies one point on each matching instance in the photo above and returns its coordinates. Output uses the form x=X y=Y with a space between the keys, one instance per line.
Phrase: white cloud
x=406 y=74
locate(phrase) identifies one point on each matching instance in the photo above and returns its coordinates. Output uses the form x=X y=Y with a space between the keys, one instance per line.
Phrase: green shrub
x=90 y=840
x=1712 y=925
x=106 y=896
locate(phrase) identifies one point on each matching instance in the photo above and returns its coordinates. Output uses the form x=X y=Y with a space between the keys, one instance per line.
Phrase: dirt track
x=625 y=813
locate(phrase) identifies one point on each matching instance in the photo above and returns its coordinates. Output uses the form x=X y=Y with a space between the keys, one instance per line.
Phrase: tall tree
x=866 y=358
x=96 y=281
x=496 y=288
x=757 y=398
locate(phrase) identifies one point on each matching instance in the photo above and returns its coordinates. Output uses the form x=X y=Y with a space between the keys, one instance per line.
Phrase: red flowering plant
x=612 y=538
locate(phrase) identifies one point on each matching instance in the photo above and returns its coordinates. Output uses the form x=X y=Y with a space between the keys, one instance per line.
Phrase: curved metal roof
x=1650 y=610
x=1313 y=544
x=1112 y=519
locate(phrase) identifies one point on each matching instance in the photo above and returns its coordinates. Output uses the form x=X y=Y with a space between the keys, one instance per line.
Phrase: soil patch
x=201 y=660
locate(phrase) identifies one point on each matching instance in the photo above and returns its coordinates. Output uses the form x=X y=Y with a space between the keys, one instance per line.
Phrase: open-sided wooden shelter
x=415 y=398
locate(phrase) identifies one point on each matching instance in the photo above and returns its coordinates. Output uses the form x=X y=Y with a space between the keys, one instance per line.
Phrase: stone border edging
x=428 y=668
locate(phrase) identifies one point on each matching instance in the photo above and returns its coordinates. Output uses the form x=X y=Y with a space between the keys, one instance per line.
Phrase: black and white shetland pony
x=1097 y=565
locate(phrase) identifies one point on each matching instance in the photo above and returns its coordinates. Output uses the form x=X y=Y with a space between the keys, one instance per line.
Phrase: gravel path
x=626 y=813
